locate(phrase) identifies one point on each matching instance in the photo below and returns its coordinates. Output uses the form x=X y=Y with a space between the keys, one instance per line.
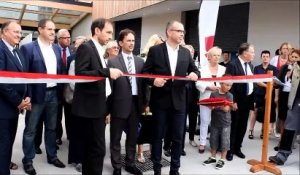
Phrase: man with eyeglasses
x=168 y=96
x=64 y=41
x=14 y=98
x=43 y=57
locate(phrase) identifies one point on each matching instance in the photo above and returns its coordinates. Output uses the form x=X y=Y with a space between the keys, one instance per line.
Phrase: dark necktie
x=64 y=57
x=246 y=68
x=130 y=68
x=16 y=56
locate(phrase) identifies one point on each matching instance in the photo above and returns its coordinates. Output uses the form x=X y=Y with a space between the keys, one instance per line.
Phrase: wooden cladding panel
x=113 y=8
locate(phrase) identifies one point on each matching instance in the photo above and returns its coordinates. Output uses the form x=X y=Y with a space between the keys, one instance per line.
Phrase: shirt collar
x=99 y=47
x=10 y=47
x=170 y=48
x=125 y=55
x=242 y=61
x=42 y=45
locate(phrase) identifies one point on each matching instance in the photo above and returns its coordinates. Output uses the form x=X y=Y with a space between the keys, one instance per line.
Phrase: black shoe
x=38 y=150
x=229 y=156
x=174 y=172
x=240 y=154
x=58 y=141
x=57 y=163
x=133 y=170
x=29 y=169
x=250 y=136
x=274 y=159
x=201 y=151
x=183 y=153
x=167 y=153
x=117 y=172
x=157 y=172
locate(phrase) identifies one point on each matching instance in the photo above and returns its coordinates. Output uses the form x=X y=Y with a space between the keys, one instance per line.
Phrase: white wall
x=272 y=23
x=83 y=28
x=156 y=25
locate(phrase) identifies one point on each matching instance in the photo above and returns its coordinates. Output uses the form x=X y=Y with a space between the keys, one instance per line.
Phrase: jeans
x=176 y=120
x=49 y=108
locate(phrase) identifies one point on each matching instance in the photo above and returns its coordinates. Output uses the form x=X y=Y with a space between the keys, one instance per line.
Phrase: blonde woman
x=112 y=49
x=145 y=132
x=212 y=69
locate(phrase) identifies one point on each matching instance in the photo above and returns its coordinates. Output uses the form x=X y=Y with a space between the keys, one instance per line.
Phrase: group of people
x=121 y=98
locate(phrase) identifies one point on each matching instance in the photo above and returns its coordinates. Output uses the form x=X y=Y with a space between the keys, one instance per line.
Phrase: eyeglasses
x=115 y=47
x=64 y=37
x=178 y=31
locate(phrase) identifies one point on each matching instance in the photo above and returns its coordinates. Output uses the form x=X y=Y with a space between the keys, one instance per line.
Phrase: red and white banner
x=208 y=15
x=22 y=77
x=30 y=78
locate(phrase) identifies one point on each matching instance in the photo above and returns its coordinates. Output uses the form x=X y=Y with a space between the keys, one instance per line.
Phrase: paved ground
x=190 y=164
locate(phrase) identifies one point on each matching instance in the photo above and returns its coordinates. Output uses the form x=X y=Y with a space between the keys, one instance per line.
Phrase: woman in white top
x=281 y=59
x=212 y=69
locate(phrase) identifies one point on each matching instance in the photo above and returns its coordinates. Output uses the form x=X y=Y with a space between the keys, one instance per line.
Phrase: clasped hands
x=25 y=104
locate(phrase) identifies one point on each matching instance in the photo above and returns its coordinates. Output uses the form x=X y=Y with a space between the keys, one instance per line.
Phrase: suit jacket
x=11 y=95
x=33 y=54
x=121 y=97
x=89 y=100
x=239 y=90
x=173 y=92
x=69 y=59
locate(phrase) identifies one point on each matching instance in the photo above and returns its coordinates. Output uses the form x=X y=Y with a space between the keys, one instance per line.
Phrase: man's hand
x=25 y=104
x=115 y=73
x=159 y=82
x=234 y=106
x=192 y=76
x=107 y=119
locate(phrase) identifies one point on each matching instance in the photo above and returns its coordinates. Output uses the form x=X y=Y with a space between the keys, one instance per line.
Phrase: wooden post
x=264 y=164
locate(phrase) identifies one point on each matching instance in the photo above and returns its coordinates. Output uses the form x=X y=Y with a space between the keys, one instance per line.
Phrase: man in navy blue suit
x=13 y=97
x=43 y=57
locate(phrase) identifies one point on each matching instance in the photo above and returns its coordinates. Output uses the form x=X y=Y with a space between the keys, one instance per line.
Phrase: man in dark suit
x=242 y=97
x=168 y=97
x=43 y=57
x=64 y=41
x=126 y=104
x=89 y=100
x=13 y=97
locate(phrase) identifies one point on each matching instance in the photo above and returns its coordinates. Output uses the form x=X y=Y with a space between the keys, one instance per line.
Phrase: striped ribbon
x=22 y=77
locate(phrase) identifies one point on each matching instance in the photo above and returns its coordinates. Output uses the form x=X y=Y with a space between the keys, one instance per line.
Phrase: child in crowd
x=220 y=126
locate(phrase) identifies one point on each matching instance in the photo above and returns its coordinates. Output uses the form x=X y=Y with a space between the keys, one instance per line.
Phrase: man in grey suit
x=126 y=103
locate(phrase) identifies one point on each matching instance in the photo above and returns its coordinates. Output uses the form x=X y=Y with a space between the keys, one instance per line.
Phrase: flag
x=208 y=15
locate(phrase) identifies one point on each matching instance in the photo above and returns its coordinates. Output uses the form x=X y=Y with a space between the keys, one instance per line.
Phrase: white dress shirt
x=49 y=59
x=101 y=52
x=134 y=90
x=249 y=72
x=173 y=57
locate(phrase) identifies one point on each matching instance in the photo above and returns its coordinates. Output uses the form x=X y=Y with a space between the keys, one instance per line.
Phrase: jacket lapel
x=240 y=67
x=95 y=52
x=38 y=50
x=179 y=59
x=123 y=65
x=13 y=58
x=166 y=57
